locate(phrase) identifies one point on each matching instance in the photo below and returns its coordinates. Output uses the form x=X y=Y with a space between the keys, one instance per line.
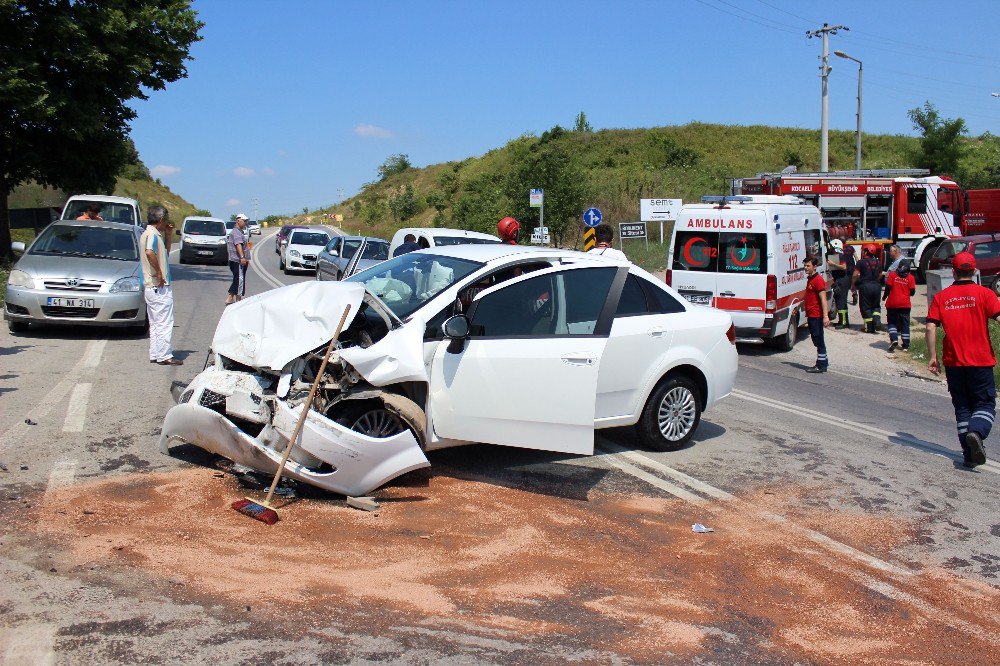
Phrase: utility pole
x=824 y=74
x=857 y=151
x=256 y=203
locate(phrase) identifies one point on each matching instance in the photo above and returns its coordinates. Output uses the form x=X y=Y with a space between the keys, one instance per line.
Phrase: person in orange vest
x=964 y=310
x=899 y=286
x=507 y=229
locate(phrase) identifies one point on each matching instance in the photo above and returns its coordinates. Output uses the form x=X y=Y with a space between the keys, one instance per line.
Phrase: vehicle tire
x=340 y=276
x=787 y=341
x=671 y=414
x=925 y=261
x=17 y=326
x=996 y=286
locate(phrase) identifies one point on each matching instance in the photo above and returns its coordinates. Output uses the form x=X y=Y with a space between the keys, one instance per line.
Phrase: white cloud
x=267 y=171
x=244 y=172
x=233 y=202
x=372 y=132
x=163 y=170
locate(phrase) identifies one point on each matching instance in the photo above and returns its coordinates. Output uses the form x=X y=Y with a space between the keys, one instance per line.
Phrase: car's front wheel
x=17 y=326
x=671 y=414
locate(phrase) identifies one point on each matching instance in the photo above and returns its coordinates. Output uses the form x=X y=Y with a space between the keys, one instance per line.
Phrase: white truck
x=113 y=209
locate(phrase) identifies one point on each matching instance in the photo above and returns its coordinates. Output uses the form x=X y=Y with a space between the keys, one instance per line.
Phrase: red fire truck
x=908 y=207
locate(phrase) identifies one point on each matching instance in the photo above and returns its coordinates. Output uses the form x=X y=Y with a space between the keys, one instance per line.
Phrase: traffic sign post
x=540 y=236
x=632 y=230
x=659 y=210
x=536 y=199
x=592 y=217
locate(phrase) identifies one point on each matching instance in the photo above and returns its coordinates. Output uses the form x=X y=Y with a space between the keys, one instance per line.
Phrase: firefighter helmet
x=871 y=248
x=837 y=244
x=507 y=229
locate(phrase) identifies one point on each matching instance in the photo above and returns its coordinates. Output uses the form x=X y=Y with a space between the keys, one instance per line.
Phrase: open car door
x=527 y=374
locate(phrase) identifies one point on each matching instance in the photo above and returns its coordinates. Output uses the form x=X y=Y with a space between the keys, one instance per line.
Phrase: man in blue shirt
x=238 y=244
x=409 y=244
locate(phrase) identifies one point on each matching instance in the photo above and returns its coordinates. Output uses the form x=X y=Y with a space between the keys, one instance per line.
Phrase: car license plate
x=698 y=299
x=71 y=302
x=206 y=253
x=309 y=264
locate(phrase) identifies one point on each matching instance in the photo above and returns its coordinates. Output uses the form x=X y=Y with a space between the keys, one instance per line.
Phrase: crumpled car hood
x=270 y=329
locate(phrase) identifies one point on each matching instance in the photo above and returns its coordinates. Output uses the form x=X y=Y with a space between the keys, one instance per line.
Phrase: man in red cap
x=964 y=310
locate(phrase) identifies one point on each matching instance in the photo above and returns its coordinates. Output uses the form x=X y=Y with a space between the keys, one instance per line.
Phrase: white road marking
x=258 y=267
x=655 y=481
x=860 y=428
x=92 y=354
x=19 y=431
x=31 y=644
x=63 y=473
x=76 y=413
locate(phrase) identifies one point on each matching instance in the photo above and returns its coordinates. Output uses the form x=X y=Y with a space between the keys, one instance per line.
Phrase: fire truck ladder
x=860 y=173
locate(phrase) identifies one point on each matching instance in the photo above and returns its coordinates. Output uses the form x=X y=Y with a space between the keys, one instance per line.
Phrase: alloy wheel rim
x=378 y=423
x=676 y=414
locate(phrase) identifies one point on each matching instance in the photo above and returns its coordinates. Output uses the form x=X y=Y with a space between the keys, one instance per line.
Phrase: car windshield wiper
x=108 y=256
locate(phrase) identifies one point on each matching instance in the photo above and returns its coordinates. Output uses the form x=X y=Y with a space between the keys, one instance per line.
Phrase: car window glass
x=633 y=300
x=744 y=253
x=463 y=240
x=309 y=238
x=660 y=300
x=110 y=212
x=350 y=247
x=994 y=249
x=566 y=303
x=375 y=251
x=949 y=249
x=985 y=250
x=87 y=241
x=696 y=251
x=334 y=244
x=204 y=228
x=916 y=200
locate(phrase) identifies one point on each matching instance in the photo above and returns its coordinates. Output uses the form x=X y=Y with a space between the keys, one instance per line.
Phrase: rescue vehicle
x=909 y=207
x=744 y=255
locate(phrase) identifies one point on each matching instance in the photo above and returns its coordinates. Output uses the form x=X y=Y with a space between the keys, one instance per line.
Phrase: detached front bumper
x=328 y=455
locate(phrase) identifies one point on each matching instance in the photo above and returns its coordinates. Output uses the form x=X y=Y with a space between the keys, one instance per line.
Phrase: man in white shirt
x=154 y=259
x=605 y=235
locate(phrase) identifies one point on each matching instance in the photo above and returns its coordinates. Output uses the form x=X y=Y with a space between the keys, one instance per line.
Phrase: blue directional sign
x=592 y=217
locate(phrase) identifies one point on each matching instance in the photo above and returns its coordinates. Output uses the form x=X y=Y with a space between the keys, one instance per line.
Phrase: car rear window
x=696 y=251
x=205 y=228
x=376 y=251
x=309 y=238
x=462 y=240
x=110 y=212
x=715 y=252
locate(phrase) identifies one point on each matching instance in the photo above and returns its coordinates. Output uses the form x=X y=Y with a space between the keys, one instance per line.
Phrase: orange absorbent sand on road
x=613 y=573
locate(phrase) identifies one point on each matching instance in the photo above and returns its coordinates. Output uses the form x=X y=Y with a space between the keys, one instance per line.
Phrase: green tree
x=581 y=124
x=550 y=167
x=403 y=204
x=941 y=145
x=393 y=164
x=67 y=73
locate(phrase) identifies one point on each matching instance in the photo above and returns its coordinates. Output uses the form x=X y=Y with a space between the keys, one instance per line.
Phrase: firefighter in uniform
x=841 y=263
x=964 y=310
x=866 y=282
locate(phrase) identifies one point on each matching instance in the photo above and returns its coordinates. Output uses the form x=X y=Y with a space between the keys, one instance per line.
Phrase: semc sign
x=659 y=210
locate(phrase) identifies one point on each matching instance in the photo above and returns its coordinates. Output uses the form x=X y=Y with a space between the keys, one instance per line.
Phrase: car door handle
x=657 y=332
x=727 y=294
x=579 y=360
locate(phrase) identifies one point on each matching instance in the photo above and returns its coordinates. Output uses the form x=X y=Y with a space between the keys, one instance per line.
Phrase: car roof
x=440 y=231
x=367 y=238
x=101 y=197
x=977 y=238
x=486 y=252
x=203 y=218
x=95 y=223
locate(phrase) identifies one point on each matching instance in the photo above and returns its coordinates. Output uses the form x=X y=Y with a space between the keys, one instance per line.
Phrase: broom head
x=256 y=510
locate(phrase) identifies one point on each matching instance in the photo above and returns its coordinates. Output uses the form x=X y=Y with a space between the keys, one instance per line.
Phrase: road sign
x=540 y=236
x=535 y=198
x=659 y=210
x=632 y=230
x=592 y=217
x=589 y=239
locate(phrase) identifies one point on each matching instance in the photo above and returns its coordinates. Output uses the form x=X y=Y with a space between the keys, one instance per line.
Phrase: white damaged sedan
x=518 y=346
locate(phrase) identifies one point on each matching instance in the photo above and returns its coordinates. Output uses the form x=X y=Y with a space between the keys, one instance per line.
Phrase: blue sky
x=291 y=103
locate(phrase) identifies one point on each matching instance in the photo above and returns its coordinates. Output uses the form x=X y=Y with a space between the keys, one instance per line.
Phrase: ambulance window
x=660 y=301
x=812 y=239
x=696 y=251
x=916 y=200
x=743 y=253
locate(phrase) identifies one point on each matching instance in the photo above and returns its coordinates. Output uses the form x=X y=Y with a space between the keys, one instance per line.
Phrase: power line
x=744 y=18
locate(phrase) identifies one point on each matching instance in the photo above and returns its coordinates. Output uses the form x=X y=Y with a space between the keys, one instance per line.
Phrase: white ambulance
x=744 y=255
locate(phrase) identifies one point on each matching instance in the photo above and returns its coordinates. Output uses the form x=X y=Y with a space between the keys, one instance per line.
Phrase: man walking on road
x=816 y=313
x=964 y=310
x=154 y=261
x=238 y=244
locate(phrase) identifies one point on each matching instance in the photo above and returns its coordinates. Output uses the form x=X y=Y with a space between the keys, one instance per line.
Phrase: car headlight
x=126 y=284
x=188 y=239
x=221 y=241
x=20 y=279
x=295 y=253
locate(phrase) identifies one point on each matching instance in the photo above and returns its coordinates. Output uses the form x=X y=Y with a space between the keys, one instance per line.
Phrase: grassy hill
x=617 y=167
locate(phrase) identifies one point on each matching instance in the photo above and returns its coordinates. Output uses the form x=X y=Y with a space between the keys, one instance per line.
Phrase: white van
x=434 y=237
x=744 y=255
x=203 y=240
x=123 y=210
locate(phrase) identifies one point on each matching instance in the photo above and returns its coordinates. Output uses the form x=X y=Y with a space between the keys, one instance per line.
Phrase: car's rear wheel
x=671 y=414
x=17 y=326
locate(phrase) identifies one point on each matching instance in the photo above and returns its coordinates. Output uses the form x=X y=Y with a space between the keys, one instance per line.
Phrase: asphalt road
x=845 y=530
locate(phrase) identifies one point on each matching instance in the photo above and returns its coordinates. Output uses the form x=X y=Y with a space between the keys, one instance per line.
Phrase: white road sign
x=658 y=210
x=535 y=198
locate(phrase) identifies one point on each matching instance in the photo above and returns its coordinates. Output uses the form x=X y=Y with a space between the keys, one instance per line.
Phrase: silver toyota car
x=74 y=272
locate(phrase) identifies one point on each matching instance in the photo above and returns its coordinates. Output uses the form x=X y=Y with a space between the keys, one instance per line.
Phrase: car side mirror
x=17 y=246
x=456 y=329
x=334 y=252
x=177 y=233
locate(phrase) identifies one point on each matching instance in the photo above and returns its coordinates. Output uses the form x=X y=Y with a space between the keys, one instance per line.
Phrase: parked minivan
x=435 y=237
x=203 y=239
x=744 y=255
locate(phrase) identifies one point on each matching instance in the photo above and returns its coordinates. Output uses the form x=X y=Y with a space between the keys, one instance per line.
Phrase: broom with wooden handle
x=263 y=511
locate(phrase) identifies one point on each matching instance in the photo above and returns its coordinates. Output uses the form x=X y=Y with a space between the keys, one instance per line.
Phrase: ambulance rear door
x=694 y=263
x=741 y=282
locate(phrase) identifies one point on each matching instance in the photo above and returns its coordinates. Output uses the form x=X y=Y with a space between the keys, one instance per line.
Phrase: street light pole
x=824 y=74
x=857 y=151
